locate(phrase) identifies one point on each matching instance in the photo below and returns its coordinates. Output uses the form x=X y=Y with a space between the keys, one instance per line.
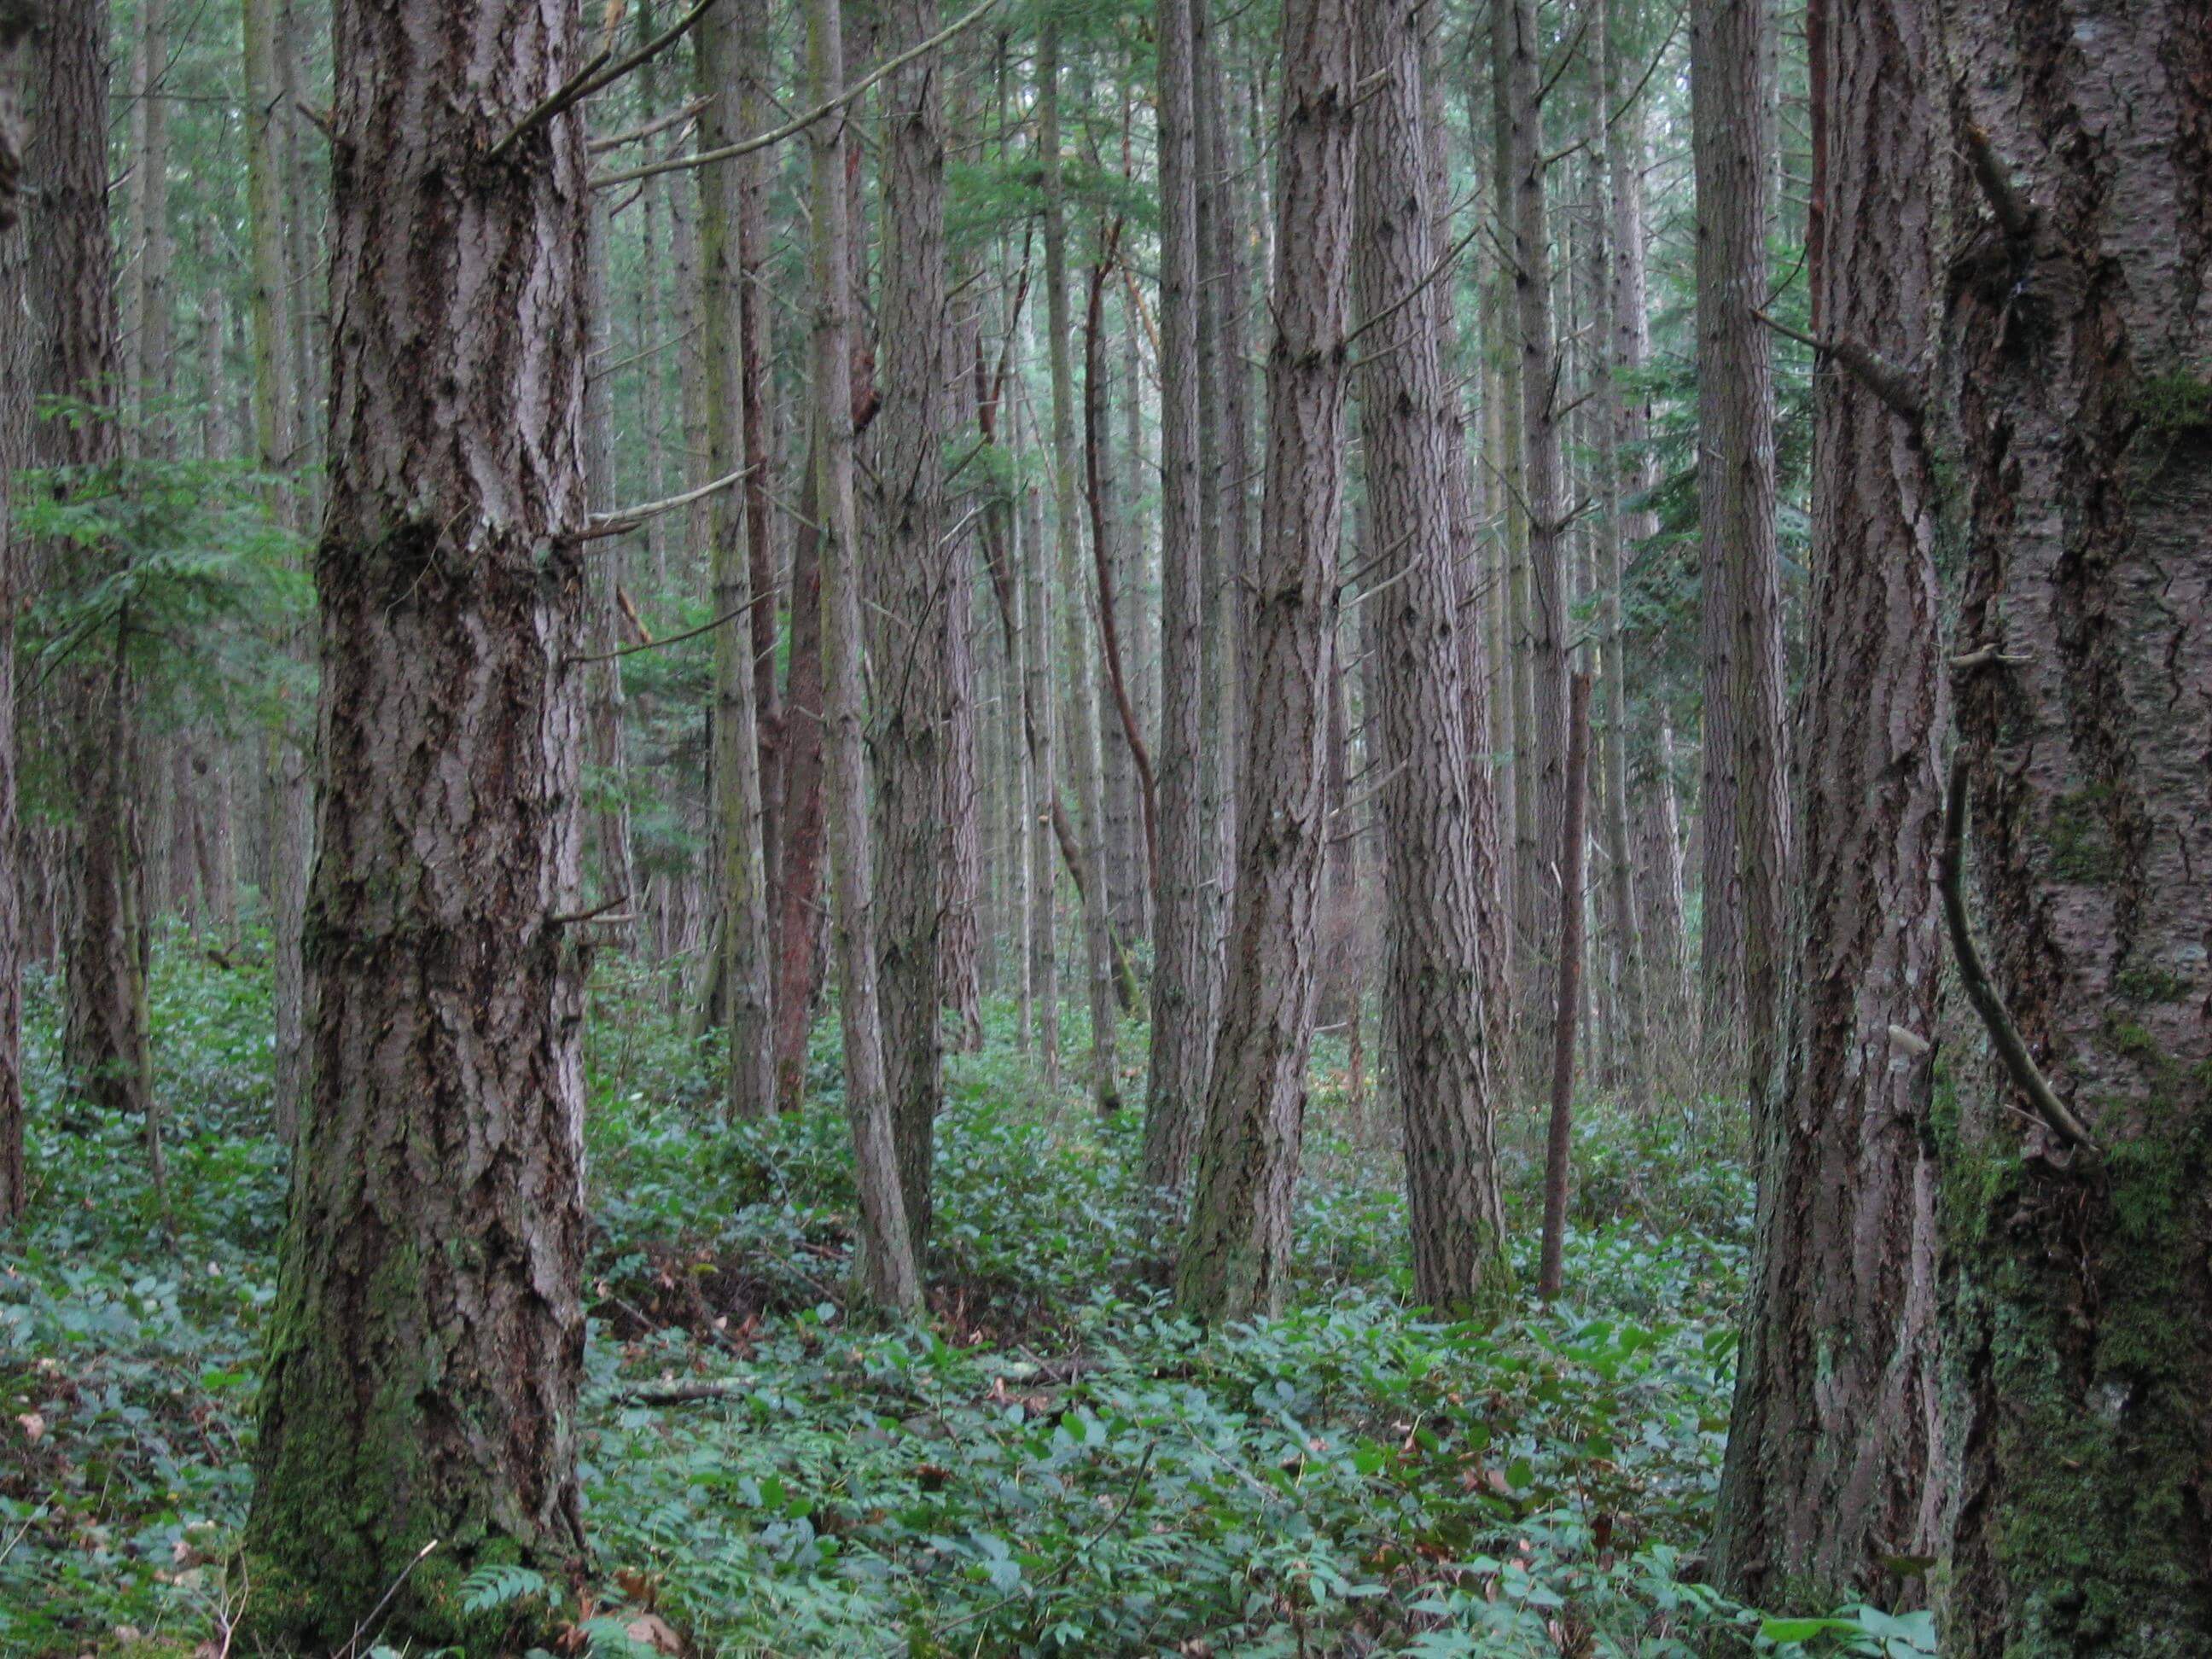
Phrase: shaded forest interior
x=1095 y=827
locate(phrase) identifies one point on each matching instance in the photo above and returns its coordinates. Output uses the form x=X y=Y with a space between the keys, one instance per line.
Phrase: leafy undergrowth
x=1052 y=1463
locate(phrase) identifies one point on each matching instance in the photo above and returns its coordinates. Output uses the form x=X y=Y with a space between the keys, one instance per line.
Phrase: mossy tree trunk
x=427 y=1339
x=16 y=58
x=2074 y=414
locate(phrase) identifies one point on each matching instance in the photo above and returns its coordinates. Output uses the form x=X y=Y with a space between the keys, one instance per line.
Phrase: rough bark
x=1235 y=1254
x=1435 y=866
x=105 y=1046
x=1519 y=51
x=427 y=1343
x=1181 y=1013
x=1746 y=808
x=1834 y=1459
x=913 y=591
x=2074 y=414
x=886 y=1267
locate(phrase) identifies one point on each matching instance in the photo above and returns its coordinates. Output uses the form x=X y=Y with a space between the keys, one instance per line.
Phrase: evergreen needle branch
x=596 y=75
x=2004 y=1036
x=799 y=123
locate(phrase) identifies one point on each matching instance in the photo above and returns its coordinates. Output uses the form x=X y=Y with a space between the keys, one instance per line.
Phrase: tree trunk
x=1834 y=1461
x=1044 y=783
x=1746 y=808
x=428 y=1339
x=885 y=1266
x=1611 y=222
x=1081 y=731
x=751 y=68
x=1183 y=1037
x=105 y=1049
x=2074 y=420
x=1236 y=1256
x=1559 y=1173
x=1436 y=865
x=276 y=443
x=17 y=53
x=1518 y=50
x=746 y=976
x=914 y=589
x=797 y=965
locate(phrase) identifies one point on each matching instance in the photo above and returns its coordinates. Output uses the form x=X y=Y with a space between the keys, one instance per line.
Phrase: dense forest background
x=1347 y=826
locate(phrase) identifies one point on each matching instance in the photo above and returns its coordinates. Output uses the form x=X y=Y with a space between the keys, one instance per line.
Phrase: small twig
x=1987 y=656
x=596 y=75
x=2016 y=215
x=353 y=1642
x=571 y=918
x=799 y=124
x=672 y=638
x=630 y=518
x=2004 y=1036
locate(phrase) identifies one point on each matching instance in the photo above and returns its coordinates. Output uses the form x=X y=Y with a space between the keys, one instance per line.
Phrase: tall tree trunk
x=276 y=443
x=1436 y=863
x=1610 y=224
x=152 y=348
x=428 y=1339
x=887 y=1270
x=1236 y=1256
x=752 y=66
x=914 y=589
x=1182 y=1036
x=609 y=789
x=1833 y=1461
x=1745 y=806
x=1081 y=728
x=17 y=57
x=1518 y=50
x=104 y=1039
x=2074 y=423
x=1044 y=784
x=741 y=883
x=1559 y=1173
x=798 y=966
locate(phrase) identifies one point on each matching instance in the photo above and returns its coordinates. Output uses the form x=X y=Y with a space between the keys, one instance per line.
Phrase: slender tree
x=1183 y=1037
x=914 y=593
x=745 y=975
x=17 y=26
x=1559 y=1173
x=889 y=1275
x=1435 y=864
x=73 y=305
x=427 y=1339
x=1236 y=1252
x=1080 y=732
x=1747 y=817
x=2076 y=400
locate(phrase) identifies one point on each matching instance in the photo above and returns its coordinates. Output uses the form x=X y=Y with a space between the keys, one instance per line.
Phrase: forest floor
x=1053 y=1463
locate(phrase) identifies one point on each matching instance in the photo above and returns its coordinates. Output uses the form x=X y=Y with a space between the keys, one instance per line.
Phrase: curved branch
x=2004 y=1036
